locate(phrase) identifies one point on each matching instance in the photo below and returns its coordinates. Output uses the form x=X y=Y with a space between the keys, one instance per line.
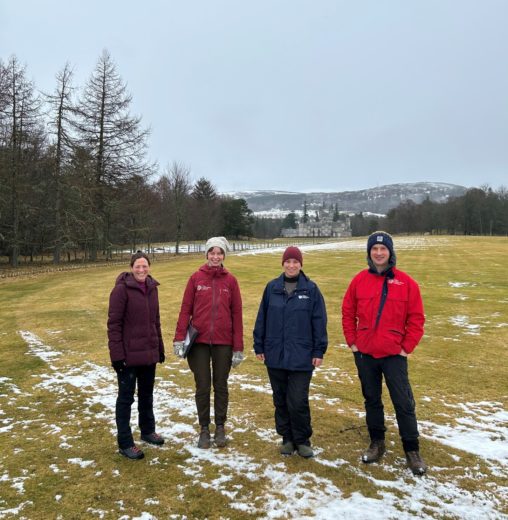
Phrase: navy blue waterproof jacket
x=291 y=330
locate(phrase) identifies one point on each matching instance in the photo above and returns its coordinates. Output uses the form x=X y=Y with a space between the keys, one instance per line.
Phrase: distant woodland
x=481 y=211
x=75 y=180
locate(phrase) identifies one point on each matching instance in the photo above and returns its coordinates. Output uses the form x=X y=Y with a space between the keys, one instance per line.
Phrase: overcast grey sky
x=293 y=95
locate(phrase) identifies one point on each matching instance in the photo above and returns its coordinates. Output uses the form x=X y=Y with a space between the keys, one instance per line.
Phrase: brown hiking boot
x=374 y=452
x=220 y=436
x=204 y=438
x=415 y=463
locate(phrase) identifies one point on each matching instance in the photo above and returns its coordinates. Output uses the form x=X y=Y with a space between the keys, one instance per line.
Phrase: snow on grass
x=37 y=348
x=356 y=244
x=11 y=388
x=462 y=321
x=480 y=430
x=81 y=463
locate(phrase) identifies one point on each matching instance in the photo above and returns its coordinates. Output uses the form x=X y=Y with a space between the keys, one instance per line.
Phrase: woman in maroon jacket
x=135 y=347
x=213 y=304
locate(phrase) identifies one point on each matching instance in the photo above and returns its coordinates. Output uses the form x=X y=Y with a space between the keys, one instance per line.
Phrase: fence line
x=158 y=253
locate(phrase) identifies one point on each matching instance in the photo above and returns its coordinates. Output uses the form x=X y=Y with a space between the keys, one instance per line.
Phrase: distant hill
x=373 y=200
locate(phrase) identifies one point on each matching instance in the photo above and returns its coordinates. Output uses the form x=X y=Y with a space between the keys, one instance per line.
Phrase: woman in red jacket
x=135 y=347
x=213 y=304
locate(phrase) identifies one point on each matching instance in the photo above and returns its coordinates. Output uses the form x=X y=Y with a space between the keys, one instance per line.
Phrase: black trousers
x=199 y=359
x=394 y=369
x=144 y=376
x=291 y=400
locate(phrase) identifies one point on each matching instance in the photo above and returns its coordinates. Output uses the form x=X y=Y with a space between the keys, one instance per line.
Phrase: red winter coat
x=213 y=303
x=400 y=325
x=134 y=326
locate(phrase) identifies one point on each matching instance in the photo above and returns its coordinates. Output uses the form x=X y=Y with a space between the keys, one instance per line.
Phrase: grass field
x=58 y=454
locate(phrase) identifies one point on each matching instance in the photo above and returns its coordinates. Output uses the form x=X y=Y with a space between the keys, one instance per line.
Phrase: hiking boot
x=204 y=438
x=305 y=451
x=415 y=463
x=287 y=448
x=153 y=438
x=133 y=453
x=220 y=436
x=374 y=452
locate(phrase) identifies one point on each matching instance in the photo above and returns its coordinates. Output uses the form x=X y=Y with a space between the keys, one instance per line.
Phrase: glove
x=237 y=359
x=162 y=357
x=178 y=348
x=118 y=365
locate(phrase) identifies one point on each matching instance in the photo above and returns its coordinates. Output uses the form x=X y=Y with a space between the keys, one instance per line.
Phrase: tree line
x=75 y=180
x=480 y=211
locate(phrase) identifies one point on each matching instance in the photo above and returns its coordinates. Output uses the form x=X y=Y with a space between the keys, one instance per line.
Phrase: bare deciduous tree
x=179 y=188
x=21 y=134
x=61 y=109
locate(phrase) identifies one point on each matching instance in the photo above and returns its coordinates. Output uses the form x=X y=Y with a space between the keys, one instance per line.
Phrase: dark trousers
x=199 y=359
x=291 y=400
x=394 y=370
x=127 y=378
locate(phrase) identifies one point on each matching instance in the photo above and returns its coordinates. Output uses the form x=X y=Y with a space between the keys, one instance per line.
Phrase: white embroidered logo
x=303 y=297
x=379 y=238
x=202 y=288
x=395 y=281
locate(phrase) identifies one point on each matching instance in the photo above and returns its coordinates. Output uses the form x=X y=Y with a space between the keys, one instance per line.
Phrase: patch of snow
x=37 y=348
x=82 y=463
x=461 y=284
x=463 y=322
x=482 y=431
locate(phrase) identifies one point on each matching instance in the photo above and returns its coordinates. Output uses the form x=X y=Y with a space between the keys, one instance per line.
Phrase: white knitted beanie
x=217 y=242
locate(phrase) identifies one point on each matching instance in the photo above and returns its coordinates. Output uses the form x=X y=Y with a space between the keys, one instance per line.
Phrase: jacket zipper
x=213 y=311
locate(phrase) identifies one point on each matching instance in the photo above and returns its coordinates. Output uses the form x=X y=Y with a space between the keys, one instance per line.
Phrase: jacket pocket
x=137 y=344
x=391 y=341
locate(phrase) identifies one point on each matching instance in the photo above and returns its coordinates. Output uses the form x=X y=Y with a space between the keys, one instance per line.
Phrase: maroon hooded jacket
x=212 y=299
x=134 y=326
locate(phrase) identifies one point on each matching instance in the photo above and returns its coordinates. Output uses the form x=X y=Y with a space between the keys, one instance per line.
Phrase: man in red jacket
x=382 y=320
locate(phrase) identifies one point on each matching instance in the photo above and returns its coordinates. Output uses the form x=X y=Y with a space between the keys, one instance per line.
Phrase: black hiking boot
x=204 y=438
x=374 y=452
x=220 y=436
x=415 y=463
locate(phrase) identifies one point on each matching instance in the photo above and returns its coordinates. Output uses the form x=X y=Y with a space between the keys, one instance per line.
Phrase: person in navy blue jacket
x=290 y=337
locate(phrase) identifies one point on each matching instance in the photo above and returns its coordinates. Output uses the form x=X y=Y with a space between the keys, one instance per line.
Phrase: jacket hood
x=213 y=271
x=127 y=278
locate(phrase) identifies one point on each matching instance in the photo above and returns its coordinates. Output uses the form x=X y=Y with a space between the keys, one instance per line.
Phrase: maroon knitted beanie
x=292 y=252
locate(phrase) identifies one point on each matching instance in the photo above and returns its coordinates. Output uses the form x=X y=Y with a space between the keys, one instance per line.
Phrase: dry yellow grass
x=49 y=418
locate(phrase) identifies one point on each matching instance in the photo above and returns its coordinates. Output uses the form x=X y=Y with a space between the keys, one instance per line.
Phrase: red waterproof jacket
x=213 y=303
x=383 y=330
x=134 y=325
